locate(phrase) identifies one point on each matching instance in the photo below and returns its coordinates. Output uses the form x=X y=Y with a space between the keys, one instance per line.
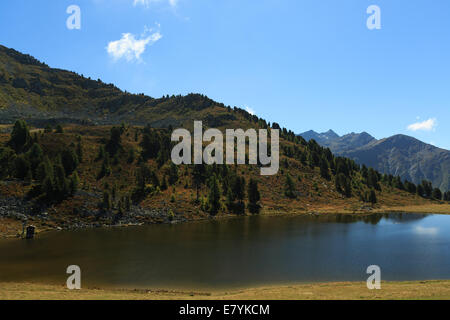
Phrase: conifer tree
x=214 y=196
x=290 y=187
x=20 y=137
x=253 y=196
x=324 y=169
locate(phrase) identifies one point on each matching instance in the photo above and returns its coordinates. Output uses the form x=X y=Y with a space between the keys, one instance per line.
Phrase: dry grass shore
x=439 y=290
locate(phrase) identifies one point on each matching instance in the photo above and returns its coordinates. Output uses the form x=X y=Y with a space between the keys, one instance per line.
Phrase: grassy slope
x=321 y=291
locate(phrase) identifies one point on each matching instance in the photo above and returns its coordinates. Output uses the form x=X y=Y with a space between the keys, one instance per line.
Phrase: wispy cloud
x=250 y=110
x=131 y=47
x=427 y=125
x=146 y=3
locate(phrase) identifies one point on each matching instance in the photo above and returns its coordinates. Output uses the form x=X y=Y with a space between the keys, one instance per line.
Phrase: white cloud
x=250 y=110
x=146 y=3
x=426 y=125
x=130 y=47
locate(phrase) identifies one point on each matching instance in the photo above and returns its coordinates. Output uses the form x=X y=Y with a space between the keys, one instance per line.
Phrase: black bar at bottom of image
x=219 y=309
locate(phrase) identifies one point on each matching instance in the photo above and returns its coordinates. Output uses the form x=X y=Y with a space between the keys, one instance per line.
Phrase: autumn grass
x=423 y=290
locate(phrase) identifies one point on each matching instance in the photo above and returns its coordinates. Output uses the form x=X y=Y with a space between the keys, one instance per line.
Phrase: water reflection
x=239 y=252
x=431 y=231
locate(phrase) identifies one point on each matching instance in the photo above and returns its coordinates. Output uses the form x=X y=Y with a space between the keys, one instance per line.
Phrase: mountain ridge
x=400 y=154
x=31 y=90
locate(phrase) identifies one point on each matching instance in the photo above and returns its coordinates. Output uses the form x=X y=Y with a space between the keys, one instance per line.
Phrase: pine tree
x=214 y=196
x=372 y=179
x=106 y=204
x=447 y=196
x=290 y=188
x=47 y=188
x=106 y=168
x=114 y=192
x=20 y=137
x=7 y=157
x=29 y=177
x=420 y=190
x=324 y=169
x=253 y=197
x=150 y=144
x=173 y=174
x=164 y=185
x=372 y=196
x=79 y=151
x=343 y=185
x=22 y=167
x=101 y=153
x=427 y=188
x=131 y=156
x=127 y=204
x=437 y=194
x=35 y=156
x=238 y=188
x=198 y=177
x=74 y=182
x=69 y=161
x=115 y=141
x=230 y=200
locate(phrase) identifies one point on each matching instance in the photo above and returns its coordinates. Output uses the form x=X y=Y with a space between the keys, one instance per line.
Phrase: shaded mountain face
x=407 y=157
x=400 y=155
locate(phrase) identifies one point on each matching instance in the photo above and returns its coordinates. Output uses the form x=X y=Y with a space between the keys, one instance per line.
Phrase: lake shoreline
x=10 y=228
x=429 y=289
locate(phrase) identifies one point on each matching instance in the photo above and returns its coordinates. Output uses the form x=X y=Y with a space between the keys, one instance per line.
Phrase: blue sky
x=305 y=64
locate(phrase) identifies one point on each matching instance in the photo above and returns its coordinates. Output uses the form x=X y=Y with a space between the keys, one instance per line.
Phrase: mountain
x=321 y=138
x=31 y=90
x=407 y=157
x=400 y=155
x=114 y=169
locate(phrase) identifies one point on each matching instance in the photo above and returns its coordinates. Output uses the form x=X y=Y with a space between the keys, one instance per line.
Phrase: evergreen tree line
x=347 y=173
x=53 y=179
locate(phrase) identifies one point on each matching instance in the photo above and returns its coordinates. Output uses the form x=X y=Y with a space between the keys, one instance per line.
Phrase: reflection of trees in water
x=407 y=217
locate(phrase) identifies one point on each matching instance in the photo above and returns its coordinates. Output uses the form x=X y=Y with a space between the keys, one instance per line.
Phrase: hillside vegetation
x=80 y=176
x=88 y=154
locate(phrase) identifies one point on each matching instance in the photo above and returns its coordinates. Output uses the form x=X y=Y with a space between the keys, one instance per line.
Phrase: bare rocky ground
x=20 y=211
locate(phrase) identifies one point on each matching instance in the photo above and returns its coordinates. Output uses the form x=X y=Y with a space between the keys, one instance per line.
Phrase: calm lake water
x=238 y=252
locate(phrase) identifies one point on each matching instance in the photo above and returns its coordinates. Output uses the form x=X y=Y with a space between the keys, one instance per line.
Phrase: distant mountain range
x=400 y=155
